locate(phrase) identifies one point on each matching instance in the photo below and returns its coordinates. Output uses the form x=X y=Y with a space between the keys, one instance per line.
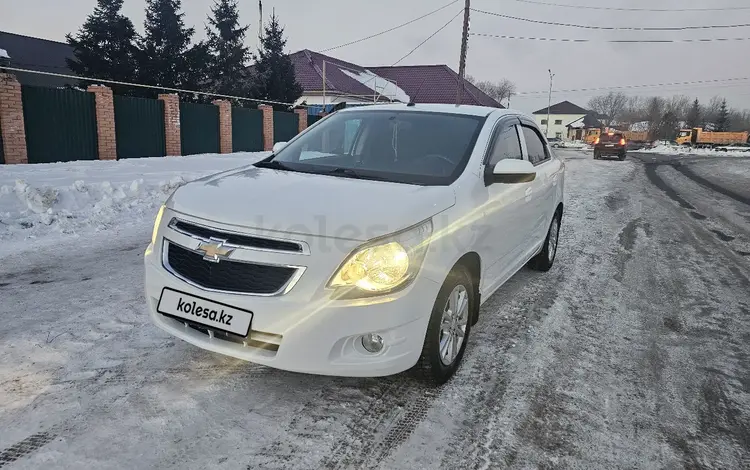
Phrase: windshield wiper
x=349 y=173
x=274 y=165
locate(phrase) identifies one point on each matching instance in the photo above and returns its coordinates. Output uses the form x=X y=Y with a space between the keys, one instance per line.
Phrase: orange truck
x=700 y=138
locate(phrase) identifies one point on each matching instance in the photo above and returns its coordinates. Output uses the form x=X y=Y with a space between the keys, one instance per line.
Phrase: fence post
x=302 y=113
x=105 y=121
x=225 y=125
x=172 y=124
x=11 y=120
x=267 y=126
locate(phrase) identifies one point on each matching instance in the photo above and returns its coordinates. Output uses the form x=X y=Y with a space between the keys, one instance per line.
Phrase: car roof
x=468 y=110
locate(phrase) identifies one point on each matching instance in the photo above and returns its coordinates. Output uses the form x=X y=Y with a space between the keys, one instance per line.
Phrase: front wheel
x=544 y=260
x=449 y=328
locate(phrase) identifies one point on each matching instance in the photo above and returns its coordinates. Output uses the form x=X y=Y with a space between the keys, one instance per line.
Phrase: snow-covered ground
x=685 y=150
x=630 y=353
x=64 y=199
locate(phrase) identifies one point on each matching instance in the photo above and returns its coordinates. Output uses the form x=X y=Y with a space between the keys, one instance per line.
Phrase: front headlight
x=157 y=222
x=383 y=265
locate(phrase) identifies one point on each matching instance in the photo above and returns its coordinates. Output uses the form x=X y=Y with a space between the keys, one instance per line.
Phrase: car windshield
x=610 y=137
x=413 y=147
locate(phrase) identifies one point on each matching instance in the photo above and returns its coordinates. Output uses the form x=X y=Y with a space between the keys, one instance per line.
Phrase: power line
x=153 y=87
x=611 y=41
x=429 y=37
x=624 y=87
x=670 y=10
x=392 y=29
x=613 y=28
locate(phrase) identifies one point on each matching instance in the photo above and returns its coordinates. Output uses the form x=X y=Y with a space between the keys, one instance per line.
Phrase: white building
x=560 y=115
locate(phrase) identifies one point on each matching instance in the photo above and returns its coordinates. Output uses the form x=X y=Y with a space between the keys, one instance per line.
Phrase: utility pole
x=549 y=103
x=464 y=47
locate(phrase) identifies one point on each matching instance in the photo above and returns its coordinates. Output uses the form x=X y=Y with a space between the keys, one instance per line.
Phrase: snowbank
x=67 y=198
x=685 y=150
x=4 y=54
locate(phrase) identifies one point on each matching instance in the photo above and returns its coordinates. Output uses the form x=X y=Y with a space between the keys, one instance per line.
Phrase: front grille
x=237 y=239
x=232 y=338
x=228 y=276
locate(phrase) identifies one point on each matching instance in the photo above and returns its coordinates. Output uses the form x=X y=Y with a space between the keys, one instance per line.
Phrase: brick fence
x=14 y=138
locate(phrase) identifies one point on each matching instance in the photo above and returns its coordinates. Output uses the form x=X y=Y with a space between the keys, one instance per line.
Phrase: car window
x=413 y=147
x=506 y=145
x=534 y=145
x=610 y=137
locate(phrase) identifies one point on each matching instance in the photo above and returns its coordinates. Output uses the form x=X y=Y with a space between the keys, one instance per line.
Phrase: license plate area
x=610 y=145
x=212 y=314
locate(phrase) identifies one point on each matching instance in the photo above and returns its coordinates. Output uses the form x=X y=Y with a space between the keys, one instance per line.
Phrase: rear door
x=540 y=198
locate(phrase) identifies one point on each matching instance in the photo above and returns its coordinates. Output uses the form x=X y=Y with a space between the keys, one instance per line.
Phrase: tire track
x=710 y=185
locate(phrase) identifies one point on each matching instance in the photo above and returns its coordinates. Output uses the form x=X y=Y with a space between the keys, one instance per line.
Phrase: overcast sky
x=319 y=24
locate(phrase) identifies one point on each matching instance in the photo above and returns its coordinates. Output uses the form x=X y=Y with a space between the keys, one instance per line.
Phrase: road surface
x=632 y=352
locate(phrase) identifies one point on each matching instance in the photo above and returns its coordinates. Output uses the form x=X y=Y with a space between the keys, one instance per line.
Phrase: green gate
x=60 y=124
x=285 y=126
x=139 y=127
x=199 y=128
x=312 y=119
x=247 y=130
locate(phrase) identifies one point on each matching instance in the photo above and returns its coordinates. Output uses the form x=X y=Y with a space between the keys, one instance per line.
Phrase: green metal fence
x=199 y=128
x=247 y=130
x=285 y=126
x=139 y=127
x=60 y=124
x=312 y=119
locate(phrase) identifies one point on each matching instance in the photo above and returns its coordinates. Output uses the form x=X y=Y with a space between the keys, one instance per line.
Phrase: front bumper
x=305 y=330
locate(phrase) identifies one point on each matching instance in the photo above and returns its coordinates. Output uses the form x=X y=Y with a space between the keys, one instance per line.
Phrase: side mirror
x=509 y=171
x=278 y=146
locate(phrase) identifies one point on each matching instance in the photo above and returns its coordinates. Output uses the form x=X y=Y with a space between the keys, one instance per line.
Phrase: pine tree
x=693 y=118
x=227 y=69
x=166 y=57
x=104 y=47
x=722 y=120
x=274 y=78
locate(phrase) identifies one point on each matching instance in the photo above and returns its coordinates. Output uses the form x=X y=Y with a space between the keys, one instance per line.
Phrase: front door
x=505 y=223
x=541 y=206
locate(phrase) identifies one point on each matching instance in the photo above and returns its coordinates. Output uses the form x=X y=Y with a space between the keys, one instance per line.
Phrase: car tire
x=622 y=157
x=596 y=155
x=434 y=365
x=546 y=258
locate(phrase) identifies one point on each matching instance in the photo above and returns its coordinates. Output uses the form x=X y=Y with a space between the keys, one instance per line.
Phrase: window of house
x=534 y=146
x=558 y=135
x=544 y=121
x=506 y=146
x=558 y=122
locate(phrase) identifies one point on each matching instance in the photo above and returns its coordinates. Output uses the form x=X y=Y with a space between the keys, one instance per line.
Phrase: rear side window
x=506 y=146
x=534 y=146
x=610 y=138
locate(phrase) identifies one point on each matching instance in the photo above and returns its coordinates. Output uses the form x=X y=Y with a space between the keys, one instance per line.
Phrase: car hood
x=309 y=204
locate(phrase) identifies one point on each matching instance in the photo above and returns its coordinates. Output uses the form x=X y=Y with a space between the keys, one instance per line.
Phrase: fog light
x=372 y=343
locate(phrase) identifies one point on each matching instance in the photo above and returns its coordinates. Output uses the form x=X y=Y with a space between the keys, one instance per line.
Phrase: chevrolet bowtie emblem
x=214 y=250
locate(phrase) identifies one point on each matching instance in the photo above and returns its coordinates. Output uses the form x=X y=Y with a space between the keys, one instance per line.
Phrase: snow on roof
x=4 y=54
x=379 y=85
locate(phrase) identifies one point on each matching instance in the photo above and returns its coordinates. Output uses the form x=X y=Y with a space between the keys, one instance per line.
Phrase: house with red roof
x=329 y=81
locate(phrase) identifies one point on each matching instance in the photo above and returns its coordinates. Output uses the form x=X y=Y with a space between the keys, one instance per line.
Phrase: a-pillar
x=302 y=113
x=105 y=121
x=267 y=126
x=172 y=124
x=225 y=125
x=11 y=120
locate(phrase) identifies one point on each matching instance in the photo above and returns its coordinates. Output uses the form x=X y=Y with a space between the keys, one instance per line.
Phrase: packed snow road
x=632 y=352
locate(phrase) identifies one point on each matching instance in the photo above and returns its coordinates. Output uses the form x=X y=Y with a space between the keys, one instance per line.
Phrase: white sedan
x=364 y=246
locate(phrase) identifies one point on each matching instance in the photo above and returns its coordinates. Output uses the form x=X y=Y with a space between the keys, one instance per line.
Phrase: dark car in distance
x=610 y=144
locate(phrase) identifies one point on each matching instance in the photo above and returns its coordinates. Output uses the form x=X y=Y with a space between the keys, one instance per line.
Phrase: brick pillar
x=267 y=127
x=172 y=124
x=11 y=120
x=225 y=125
x=105 y=121
x=302 y=113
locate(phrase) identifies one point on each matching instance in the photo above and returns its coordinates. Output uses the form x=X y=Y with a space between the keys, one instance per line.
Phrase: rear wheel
x=622 y=156
x=544 y=260
x=597 y=156
x=449 y=328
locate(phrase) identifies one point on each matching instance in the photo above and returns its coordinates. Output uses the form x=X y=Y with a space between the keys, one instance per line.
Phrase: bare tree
x=634 y=111
x=679 y=105
x=502 y=90
x=710 y=112
x=611 y=106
